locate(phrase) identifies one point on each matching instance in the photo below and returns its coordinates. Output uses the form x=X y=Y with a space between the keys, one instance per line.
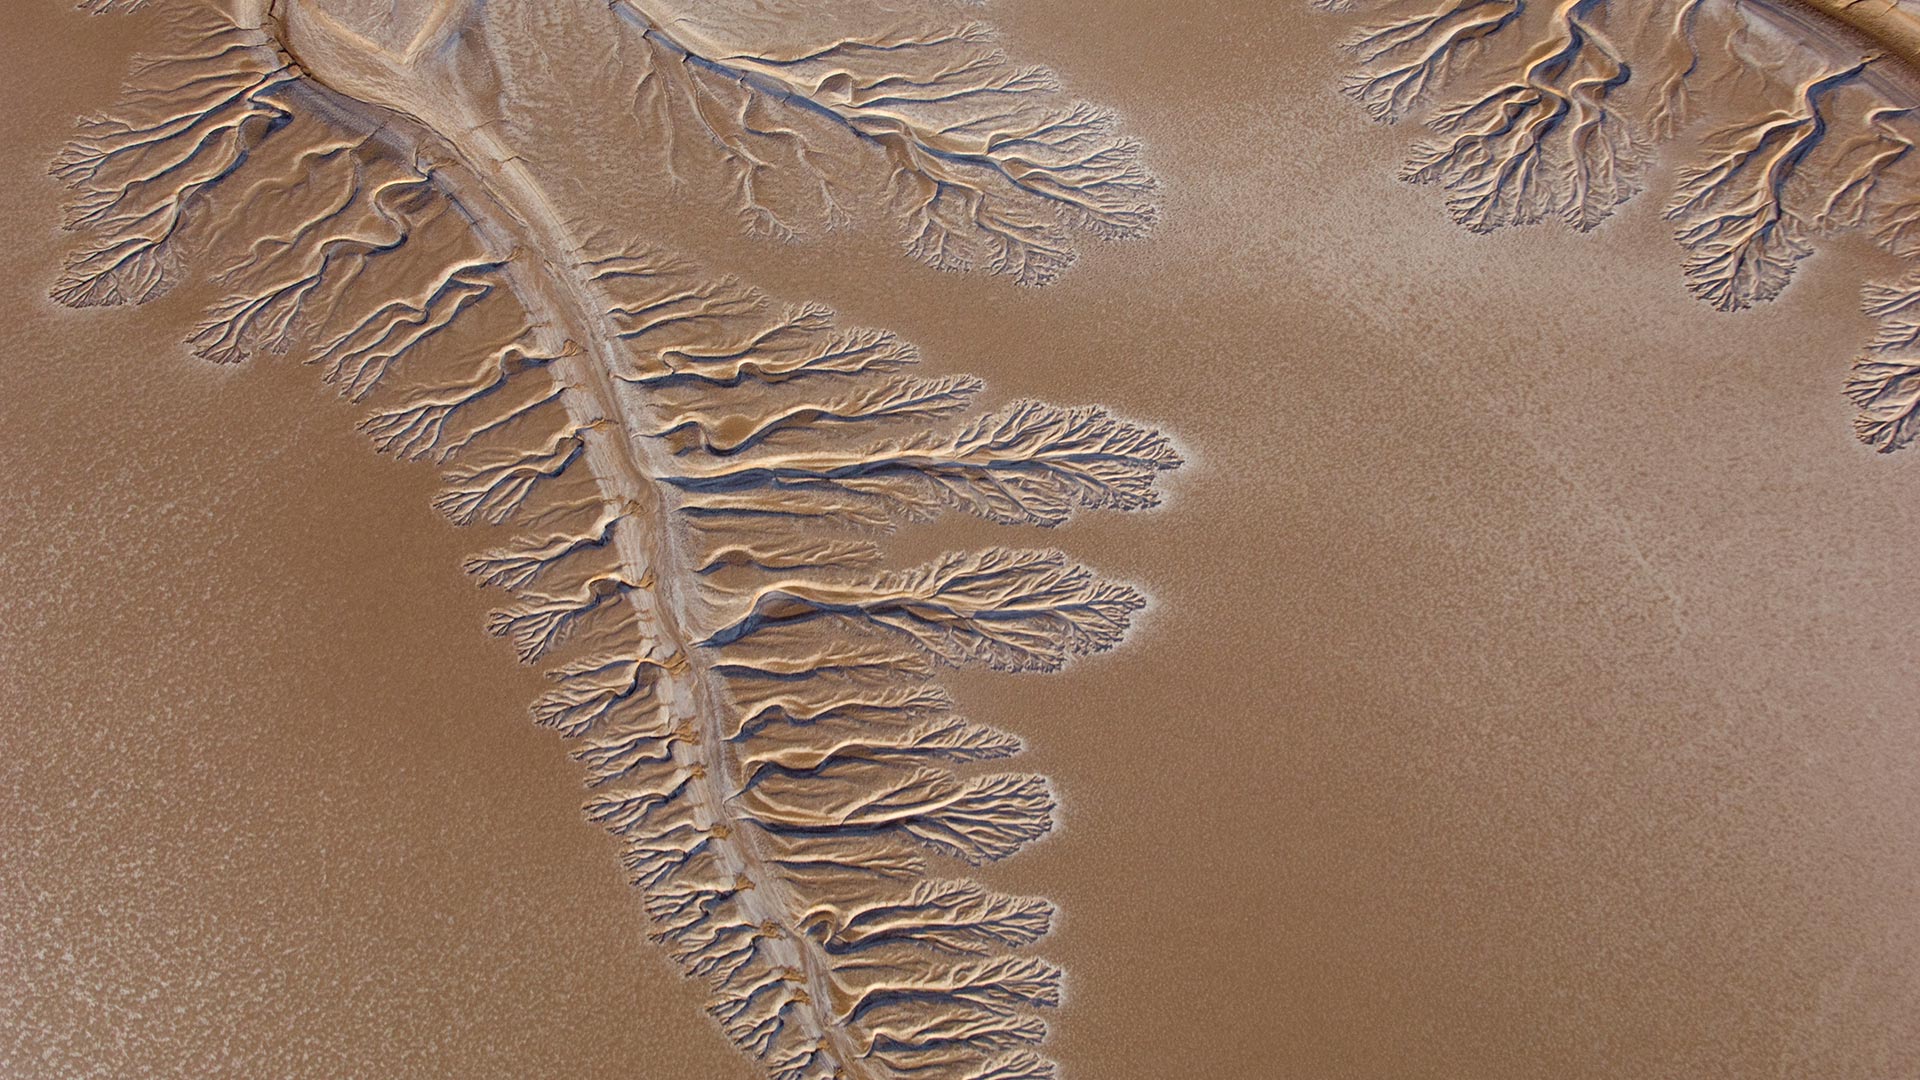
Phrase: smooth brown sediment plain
x=1523 y=688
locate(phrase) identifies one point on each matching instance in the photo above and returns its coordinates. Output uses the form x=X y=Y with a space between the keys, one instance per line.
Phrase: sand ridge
x=686 y=472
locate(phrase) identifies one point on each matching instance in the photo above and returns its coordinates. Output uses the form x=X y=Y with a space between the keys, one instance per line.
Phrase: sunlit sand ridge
x=1794 y=122
x=687 y=481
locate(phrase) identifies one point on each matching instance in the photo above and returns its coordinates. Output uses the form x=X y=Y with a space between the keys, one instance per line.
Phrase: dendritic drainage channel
x=1799 y=119
x=687 y=483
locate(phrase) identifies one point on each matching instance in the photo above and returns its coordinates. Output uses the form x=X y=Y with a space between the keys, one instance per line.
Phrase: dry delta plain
x=1081 y=538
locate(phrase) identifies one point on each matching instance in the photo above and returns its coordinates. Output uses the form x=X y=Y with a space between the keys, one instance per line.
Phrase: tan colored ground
x=1528 y=690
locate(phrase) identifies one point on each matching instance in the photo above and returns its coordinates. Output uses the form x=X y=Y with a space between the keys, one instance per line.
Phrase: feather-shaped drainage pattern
x=1546 y=111
x=983 y=163
x=686 y=479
